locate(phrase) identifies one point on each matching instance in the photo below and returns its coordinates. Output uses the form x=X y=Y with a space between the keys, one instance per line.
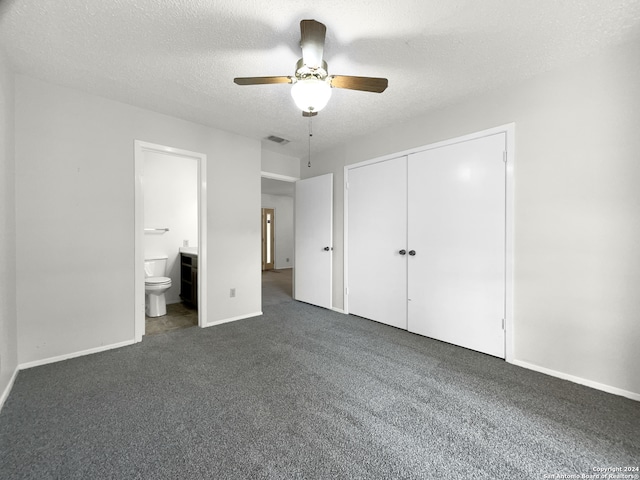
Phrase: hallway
x=277 y=286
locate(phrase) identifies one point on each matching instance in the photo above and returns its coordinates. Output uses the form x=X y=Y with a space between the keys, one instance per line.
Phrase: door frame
x=271 y=245
x=140 y=148
x=509 y=131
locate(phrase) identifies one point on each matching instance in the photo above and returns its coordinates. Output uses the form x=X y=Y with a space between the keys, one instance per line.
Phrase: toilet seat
x=157 y=281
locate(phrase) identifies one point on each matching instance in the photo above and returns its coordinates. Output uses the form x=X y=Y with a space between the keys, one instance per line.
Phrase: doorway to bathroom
x=170 y=229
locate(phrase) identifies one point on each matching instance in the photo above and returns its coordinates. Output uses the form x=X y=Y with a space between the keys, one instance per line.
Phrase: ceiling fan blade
x=309 y=114
x=261 y=80
x=312 y=42
x=366 y=84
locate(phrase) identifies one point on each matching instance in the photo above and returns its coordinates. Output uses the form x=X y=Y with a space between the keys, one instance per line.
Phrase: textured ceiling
x=179 y=57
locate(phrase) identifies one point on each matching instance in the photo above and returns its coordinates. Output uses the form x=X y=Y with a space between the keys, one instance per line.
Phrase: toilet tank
x=155 y=267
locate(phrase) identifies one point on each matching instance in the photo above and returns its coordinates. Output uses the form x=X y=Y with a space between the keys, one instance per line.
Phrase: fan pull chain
x=310 y=135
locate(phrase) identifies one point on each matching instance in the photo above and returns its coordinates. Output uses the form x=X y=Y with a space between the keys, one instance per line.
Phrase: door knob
x=402 y=252
x=326 y=249
x=412 y=253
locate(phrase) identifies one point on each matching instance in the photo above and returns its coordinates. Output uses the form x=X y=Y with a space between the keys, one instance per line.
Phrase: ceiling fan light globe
x=311 y=94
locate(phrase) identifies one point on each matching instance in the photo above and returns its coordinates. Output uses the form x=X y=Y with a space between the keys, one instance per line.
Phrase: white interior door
x=456 y=286
x=313 y=240
x=377 y=238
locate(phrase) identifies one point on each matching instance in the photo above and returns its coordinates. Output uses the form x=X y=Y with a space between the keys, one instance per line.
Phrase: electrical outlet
x=185 y=243
x=287 y=260
x=232 y=292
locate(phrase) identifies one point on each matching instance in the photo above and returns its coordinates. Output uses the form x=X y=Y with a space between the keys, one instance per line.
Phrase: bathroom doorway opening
x=165 y=242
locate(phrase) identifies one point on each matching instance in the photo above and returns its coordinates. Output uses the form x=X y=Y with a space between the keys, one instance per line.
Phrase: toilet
x=155 y=286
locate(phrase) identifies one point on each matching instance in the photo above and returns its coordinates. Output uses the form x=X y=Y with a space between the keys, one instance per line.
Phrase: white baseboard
x=579 y=380
x=232 y=319
x=7 y=390
x=67 y=356
x=339 y=310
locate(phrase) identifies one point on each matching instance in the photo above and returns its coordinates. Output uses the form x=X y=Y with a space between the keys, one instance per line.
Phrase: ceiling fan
x=311 y=82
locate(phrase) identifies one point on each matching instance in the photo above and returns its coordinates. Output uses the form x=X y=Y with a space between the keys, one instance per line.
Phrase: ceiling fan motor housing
x=303 y=71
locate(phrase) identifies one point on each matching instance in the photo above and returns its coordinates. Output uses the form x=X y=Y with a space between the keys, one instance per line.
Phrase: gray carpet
x=307 y=393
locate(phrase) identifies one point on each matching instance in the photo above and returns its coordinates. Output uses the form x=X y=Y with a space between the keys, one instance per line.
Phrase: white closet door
x=313 y=240
x=457 y=231
x=377 y=226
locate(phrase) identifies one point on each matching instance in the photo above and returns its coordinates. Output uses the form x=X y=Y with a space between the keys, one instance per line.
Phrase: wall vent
x=278 y=140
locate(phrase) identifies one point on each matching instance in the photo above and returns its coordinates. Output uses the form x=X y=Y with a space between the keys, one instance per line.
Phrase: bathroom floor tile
x=178 y=316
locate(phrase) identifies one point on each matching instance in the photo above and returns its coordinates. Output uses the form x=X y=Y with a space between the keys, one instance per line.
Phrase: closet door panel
x=376 y=232
x=456 y=227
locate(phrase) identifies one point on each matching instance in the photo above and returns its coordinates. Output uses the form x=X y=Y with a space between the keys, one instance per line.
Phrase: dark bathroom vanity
x=189 y=278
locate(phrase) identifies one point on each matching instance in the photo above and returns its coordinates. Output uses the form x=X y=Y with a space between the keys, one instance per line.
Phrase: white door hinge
x=504 y=157
x=346 y=291
x=503 y=323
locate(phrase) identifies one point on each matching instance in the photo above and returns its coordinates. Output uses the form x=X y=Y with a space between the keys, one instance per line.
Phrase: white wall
x=280 y=164
x=75 y=217
x=577 y=204
x=277 y=165
x=8 y=313
x=283 y=207
x=170 y=185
